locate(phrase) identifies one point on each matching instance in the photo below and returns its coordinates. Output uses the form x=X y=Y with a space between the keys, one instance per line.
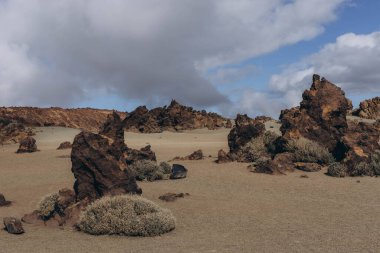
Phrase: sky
x=227 y=56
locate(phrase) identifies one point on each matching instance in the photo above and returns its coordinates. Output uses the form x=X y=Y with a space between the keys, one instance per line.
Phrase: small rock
x=170 y=197
x=27 y=145
x=3 y=201
x=178 y=171
x=196 y=155
x=223 y=157
x=64 y=145
x=304 y=176
x=13 y=225
x=308 y=167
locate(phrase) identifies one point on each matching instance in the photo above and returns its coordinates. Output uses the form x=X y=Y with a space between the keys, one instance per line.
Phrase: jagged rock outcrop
x=27 y=145
x=321 y=116
x=368 y=109
x=99 y=165
x=174 y=117
x=82 y=118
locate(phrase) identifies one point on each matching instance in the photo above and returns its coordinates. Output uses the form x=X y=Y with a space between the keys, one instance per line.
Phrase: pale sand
x=229 y=208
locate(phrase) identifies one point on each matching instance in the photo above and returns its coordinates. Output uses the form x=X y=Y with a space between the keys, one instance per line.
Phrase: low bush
x=362 y=169
x=48 y=205
x=375 y=162
x=309 y=151
x=337 y=170
x=149 y=170
x=126 y=215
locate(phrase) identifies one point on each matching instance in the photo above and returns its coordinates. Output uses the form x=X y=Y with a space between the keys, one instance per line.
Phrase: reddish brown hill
x=175 y=117
x=82 y=118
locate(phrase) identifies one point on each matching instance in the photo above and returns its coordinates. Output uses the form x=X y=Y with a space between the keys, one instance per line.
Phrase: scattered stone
x=178 y=172
x=27 y=145
x=358 y=181
x=3 y=201
x=170 y=197
x=145 y=153
x=65 y=145
x=13 y=225
x=308 y=167
x=196 y=155
x=304 y=176
x=223 y=157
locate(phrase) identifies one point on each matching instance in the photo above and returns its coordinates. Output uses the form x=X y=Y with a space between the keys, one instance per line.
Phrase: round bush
x=149 y=170
x=337 y=170
x=48 y=205
x=126 y=215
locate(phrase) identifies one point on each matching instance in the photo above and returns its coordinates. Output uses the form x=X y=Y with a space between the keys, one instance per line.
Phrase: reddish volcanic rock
x=280 y=165
x=196 y=155
x=174 y=117
x=223 y=157
x=321 y=116
x=244 y=131
x=369 y=109
x=27 y=145
x=82 y=118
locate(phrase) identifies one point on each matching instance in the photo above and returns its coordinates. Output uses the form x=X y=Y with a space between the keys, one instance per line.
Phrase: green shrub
x=309 y=151
x=126 y=215
x=149 y=170
x=337 y=170
x=48 y=205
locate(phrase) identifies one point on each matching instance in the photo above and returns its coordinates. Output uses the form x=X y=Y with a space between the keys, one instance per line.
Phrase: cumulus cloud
x=62 y=52
x=351 y=62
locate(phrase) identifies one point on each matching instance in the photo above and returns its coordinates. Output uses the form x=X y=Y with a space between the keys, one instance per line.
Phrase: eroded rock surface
x=174 y=117
x=13 y=225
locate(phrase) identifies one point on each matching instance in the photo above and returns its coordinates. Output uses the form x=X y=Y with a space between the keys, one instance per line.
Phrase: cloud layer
x=352 y=62
x=62 y=52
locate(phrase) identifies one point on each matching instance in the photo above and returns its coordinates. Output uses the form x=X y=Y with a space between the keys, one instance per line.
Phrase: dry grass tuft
x=126 y=215
x=48 y=205
x=149 y=170
x=309 y=151
x=337 y=170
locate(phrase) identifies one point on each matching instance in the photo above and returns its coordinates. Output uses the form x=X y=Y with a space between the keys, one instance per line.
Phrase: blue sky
x=228 y=56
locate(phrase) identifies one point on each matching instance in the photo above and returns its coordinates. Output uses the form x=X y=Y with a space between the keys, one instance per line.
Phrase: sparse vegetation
x=362 y=169
x=375 y=162
x=126 y=215
x=259 y=147
x=306 y=150
x=337 y=170
x=149 y=170
x=269 y=140
x=48 y=205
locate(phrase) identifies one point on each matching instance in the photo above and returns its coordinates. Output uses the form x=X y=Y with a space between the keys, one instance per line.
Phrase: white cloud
x=351 y=62
x=58 y=52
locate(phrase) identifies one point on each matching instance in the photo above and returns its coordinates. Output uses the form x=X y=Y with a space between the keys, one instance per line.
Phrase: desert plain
x=230 y=209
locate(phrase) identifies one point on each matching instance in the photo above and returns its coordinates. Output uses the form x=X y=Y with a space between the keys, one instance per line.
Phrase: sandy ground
x=229 y=208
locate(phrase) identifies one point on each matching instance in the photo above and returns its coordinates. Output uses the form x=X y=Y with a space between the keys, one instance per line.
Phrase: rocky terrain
x=314 y=135
x=13 y=132
x=81 y=118
x=175 y=117
x=368 y=109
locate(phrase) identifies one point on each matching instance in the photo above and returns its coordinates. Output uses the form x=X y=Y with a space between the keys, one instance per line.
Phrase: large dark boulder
x=178 y=172
x=99 y=167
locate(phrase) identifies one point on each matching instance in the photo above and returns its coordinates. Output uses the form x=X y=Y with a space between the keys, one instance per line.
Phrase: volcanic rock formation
x=321 y=116
x=65 y=145
x=368 y=109
x=174 y=117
